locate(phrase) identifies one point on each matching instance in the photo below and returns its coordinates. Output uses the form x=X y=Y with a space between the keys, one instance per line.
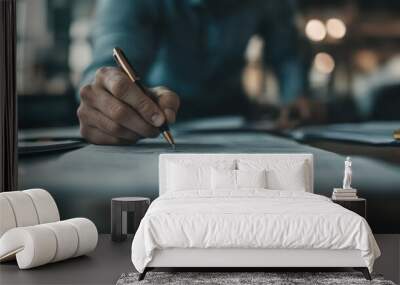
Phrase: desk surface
x=103 y=266
x=373 y=139
x=371 y=133
x=83 y=181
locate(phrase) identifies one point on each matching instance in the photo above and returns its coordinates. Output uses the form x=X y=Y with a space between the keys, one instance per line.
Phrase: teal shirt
x=196 y=47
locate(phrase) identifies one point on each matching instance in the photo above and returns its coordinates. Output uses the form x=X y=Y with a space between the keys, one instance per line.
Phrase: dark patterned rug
x=243 y=278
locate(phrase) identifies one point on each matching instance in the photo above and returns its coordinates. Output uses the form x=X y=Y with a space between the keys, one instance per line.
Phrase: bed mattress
x=250 y=219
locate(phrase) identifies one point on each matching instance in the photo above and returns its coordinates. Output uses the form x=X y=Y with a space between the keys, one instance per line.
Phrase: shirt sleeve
x=133 y=25
x=283 y=49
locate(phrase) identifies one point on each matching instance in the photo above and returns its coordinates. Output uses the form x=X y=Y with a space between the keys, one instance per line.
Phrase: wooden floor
x=389 y=263
x=106 y=264
x=103 y=266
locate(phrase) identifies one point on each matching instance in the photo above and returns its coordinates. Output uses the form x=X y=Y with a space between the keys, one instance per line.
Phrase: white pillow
x=184 y=175
x=282 y=174
x=251 y=178
x=225 y=179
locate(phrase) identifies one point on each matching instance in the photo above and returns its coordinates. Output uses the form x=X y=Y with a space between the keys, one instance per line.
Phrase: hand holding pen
x=114 y=110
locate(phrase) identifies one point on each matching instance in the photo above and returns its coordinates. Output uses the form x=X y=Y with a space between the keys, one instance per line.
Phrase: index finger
x=120 y=86
x=168 y=101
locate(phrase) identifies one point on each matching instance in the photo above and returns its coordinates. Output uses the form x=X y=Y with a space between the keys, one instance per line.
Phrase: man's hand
x=113 y=110
x=302 y=111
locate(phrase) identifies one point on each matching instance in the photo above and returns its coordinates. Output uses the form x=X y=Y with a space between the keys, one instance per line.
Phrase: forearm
x=292 y=75
x=133 y=30
x=102 y=53
x=285 y=51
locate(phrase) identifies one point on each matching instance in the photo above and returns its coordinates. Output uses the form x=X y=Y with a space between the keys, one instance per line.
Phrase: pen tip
x=168 y=137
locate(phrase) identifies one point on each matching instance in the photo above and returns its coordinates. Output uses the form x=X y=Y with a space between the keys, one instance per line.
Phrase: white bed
x=196 y=224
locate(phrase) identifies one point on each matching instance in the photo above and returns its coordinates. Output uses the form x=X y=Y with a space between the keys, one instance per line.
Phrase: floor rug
x=244 y=278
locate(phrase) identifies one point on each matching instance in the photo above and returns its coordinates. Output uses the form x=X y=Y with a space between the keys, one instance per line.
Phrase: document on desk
x=369 y=134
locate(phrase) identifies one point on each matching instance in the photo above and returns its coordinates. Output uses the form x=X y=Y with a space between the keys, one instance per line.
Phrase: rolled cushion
x=67 y=240
x=26 y=208
x=87 y=234
x=41 y=244
x=7 y=218
x=23 y=208
x=45 y=205
x=38 y=244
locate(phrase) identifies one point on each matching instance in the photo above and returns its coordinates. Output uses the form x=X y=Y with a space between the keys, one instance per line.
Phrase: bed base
x=363 y=270
x=241 y=259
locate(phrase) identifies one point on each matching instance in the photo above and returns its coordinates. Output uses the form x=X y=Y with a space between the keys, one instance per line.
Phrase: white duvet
x=250 y=219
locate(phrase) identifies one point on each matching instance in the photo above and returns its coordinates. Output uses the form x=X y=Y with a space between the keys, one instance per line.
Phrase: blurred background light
x=315 y=30
x=324 y=63
x=336 y=28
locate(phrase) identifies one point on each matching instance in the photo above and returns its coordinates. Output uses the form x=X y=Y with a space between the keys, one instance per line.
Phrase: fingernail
x=157 y=119
x=170 y=114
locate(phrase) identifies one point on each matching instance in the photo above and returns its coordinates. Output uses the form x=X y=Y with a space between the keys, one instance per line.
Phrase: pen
x=123 y=62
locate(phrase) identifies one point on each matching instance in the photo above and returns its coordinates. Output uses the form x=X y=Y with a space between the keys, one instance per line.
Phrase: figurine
x=347 y=174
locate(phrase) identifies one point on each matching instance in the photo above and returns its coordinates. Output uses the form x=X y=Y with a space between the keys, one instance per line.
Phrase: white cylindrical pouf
x=7 y=218
x=23 y=208
x=45 y=205
x=87 y=234
x=67 y=239
x=38 y=243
